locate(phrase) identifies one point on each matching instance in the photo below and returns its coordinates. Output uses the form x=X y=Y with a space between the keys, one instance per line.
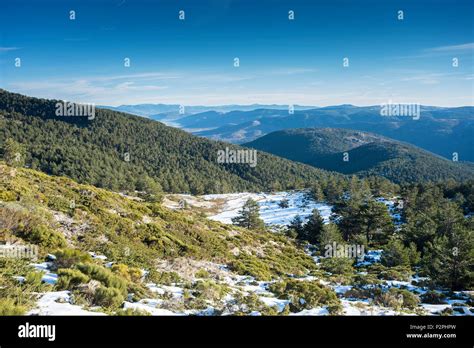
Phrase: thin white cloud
x=131 y=86
x=426 y=79
x=453 y=48
x=137 y=76
x=291 y=71
x=88 y=91
x=8 y=49
x=420 y=76
x=469 y=77
x=440 y=51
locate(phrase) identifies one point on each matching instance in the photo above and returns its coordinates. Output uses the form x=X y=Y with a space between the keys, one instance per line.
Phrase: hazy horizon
x=284 y=106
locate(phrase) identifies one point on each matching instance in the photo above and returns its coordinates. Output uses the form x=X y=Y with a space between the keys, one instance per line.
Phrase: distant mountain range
x=361 y=153
x=176 y=111
x=441 y=130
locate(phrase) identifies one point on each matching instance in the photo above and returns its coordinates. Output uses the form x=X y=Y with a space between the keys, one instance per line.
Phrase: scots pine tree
x=377 y=222
x=450 y=259
x=295 y=227
x=249 y=216
x=313 y=228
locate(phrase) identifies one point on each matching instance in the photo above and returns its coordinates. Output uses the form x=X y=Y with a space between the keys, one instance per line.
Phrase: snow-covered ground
x=48 y=277
x=224 y=207
x=151 y=307
x=59 y=303
x=271 y=213
x=62 y=302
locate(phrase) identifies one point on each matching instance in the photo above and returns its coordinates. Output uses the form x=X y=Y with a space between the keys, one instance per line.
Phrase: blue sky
x=191 y=62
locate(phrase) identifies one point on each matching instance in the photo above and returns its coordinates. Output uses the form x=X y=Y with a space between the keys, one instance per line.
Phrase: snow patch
x=270 y=211
x=59 y=303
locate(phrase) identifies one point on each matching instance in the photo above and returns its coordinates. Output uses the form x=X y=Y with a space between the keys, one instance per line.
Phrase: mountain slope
x=36 y=207
x=117 y=150
x=367 y=154
x=138 y=249
x=115 y=254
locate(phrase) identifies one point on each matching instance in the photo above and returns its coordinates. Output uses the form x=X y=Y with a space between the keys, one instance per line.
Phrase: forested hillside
x=356 y=152
x=124 y=152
